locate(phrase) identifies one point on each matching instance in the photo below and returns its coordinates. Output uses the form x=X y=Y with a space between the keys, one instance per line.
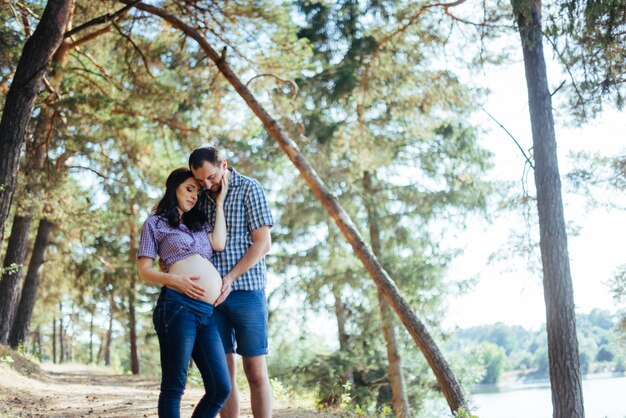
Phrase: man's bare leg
x=260 y=389
x=231 y=407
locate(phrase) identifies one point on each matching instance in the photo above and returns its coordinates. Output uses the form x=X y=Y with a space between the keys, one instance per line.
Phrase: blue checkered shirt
x=246 y=209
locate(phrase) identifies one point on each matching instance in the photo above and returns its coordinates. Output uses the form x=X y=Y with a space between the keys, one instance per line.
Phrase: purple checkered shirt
x=173 y=244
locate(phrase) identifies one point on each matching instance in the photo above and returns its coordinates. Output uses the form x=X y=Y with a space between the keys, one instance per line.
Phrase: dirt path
x=84 y=391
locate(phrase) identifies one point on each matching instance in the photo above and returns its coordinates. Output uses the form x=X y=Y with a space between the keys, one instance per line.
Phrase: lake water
x=603 y=398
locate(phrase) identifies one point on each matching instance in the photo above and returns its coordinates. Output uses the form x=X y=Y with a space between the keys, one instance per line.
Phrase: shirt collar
x=235 y=178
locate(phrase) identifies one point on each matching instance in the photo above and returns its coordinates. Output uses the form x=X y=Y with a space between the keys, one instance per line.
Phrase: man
x=241 y=309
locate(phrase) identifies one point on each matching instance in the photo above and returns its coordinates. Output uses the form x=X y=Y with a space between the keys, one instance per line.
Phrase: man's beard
x=214 y=192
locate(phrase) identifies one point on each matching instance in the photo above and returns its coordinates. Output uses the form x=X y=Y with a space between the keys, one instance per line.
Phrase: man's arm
x=261 y=244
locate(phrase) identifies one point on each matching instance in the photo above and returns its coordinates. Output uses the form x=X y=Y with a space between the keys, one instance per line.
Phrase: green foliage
x=588 y=39
x=600 y=348
x=411 y=133
x=462 y=413
x=493 y=358
x=618 y=287
x=10 y=269
x=127 y=113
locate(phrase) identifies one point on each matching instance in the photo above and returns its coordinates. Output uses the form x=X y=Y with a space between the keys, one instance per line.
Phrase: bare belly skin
x=210 y=279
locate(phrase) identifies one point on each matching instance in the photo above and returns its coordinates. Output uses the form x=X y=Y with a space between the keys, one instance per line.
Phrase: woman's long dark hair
x=168 y=205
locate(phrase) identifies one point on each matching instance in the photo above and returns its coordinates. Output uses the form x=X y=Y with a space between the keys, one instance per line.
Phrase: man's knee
x=256 y=370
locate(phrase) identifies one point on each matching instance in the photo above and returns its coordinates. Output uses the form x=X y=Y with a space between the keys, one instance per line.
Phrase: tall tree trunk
x=37 y=344
x=61 y=336
x=35 y=158
x=12 y=274
x=20 y=99
x=34 y=165
x=340 y=313
x=29 y=291
x=108 y=341
x=450 y=387
x=109 y=336
x=101 y=348
x=132 y=321
x=396 y=376
x=132 y=324
x=91 y=339
x=567 y=396
x=54 y=340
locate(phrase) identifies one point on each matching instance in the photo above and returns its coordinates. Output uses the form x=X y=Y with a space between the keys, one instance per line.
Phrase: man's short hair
x=202 y=154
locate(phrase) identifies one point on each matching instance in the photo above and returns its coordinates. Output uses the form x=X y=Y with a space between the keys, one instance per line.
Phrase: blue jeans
x=185 y=333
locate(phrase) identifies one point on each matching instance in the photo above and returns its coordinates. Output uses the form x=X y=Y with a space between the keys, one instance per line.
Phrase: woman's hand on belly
x=188 y=285
x=203 y=273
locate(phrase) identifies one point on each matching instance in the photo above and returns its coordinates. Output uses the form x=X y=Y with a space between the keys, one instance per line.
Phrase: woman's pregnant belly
x=198 y=266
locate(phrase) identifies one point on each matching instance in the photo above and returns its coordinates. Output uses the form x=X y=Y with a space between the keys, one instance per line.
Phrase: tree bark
x=91 y=339
x=101 y=348
x=565 y=381
x=132 y=321
x=447 y=381
x=109 y=335
x=20 y=99
x=396 y=376
x=340 y=313
x=61 y=336
x=12 y=275
x=37 y=343
x=29 y=291
x=35 y=158
x=54 y=340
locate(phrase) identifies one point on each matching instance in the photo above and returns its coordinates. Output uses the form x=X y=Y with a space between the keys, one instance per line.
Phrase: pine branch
x=173 y=124
x=89 y=37
x=130 y=40
x=101 y=19
x=512 y=137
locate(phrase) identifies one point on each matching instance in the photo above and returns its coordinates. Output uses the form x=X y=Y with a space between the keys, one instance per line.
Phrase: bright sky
x=517 y=297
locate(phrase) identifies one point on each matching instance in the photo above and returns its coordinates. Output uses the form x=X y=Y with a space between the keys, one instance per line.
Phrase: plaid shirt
x=246 y=209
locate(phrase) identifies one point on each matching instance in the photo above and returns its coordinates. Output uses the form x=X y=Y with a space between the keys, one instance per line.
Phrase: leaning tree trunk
x=396 y=376
x=20 y=99
x=12 y=274
x=31 y=283
x=567 y=396
x=448 y=384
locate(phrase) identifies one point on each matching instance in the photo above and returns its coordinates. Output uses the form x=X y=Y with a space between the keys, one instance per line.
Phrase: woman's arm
x=218 y=235
x=183 y=284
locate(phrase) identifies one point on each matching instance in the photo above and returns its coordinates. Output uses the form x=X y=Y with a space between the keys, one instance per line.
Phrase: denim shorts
x=242 y=322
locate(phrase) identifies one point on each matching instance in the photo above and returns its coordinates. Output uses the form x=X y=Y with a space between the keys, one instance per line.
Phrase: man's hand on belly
x=225 y=291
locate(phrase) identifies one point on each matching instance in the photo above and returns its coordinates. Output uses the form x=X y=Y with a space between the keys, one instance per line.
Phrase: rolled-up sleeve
x=148 y=243
x=257 y=210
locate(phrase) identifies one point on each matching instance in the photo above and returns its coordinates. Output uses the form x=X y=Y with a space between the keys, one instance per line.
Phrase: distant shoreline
x=523 y=381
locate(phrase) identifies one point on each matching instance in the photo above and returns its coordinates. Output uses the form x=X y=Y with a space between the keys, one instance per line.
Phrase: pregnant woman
x=183 y=316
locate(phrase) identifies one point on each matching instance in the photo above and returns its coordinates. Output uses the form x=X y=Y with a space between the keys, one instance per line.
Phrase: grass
x=19 y=362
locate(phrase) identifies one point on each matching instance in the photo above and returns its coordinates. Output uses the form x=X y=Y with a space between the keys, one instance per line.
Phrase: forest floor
x=72 y=390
